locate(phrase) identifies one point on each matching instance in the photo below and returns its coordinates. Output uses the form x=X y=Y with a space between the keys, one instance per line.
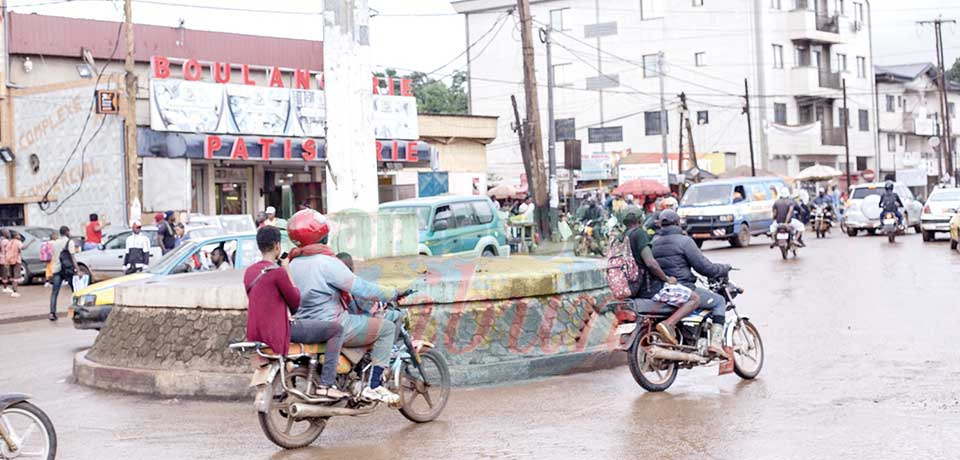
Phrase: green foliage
x=953 y=73
x=435 y=96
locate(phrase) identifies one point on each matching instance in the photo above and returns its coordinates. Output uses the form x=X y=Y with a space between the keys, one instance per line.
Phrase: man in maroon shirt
x=273 y=298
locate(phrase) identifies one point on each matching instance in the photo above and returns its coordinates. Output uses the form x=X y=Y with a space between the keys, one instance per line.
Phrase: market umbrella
x=503 y=192
x=640 y=187
x=818 y=173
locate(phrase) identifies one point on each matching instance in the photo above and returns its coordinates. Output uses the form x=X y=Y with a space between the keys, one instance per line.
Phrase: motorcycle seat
x=649 y=307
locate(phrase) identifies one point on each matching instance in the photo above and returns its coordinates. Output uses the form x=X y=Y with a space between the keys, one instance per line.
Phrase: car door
x=913 y=207
x=443 y=230
x=108 y=262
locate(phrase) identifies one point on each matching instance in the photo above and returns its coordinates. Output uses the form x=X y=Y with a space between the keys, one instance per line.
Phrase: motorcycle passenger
x=826 y=201
x=273 y=297
x=784 y=212
x=677 y=254
x=890 y=202
x=660 y=287
x=652 y=221
x=323 y=280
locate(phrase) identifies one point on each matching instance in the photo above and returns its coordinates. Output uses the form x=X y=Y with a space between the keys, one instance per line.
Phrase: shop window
x=232 y=198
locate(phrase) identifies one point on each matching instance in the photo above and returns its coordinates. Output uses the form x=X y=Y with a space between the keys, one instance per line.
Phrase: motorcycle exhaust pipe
x=656 y=352
x=301 y=411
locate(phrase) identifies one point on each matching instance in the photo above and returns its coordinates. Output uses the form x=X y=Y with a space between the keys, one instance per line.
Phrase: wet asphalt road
x=861 y=362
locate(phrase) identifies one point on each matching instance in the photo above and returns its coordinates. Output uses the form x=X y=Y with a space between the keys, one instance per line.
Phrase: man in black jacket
x=677 y=254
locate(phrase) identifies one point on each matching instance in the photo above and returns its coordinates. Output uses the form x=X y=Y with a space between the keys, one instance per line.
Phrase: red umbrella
x=638 y=187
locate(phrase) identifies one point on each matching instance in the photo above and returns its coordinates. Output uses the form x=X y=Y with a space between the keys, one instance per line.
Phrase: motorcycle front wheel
x=747 y=350
x=277 y=424
x=423 y=397
x=31 y=430
x=652 y=374
x=784 y=250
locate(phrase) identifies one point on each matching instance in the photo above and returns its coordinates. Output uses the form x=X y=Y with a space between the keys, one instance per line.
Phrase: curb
x=25 y=318
x=169 y=383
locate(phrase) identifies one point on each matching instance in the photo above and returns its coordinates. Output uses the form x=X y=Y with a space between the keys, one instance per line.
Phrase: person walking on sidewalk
x=4 y=276
x=166 y=235
x=13 y=261
x=64 y=267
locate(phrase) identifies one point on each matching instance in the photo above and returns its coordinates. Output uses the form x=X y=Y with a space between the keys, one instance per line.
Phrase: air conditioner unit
x=857 y=26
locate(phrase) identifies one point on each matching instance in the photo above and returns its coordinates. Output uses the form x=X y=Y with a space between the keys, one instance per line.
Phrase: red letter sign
x=265 y=143
x=302 y=78
x=309 y=147
x=276 y=78
x=221 y=72
x=245 y=70
x=406 y=87
x=412 y=151
x=192 y=70
x=287 y=149
x=379 y=151
x=239 y=150
x=161 y=67
x=212 y=145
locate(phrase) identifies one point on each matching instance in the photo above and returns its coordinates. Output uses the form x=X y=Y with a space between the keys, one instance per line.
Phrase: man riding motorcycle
x=325 y=284
x=652 y=222
x=890 y=202
x=592 y=212
x=784 y=211
x=677 y=254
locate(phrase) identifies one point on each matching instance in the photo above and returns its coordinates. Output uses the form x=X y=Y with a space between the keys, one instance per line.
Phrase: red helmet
x=307 y=227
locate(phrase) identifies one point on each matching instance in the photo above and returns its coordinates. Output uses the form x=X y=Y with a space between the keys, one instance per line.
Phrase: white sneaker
x=7 y=290
x=380 y=393
x=14 y=294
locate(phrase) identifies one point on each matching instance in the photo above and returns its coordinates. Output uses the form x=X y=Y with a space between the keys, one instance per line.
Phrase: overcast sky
x=425 y=34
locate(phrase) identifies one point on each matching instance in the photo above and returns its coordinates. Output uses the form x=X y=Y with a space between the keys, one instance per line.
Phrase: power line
x=480 y=38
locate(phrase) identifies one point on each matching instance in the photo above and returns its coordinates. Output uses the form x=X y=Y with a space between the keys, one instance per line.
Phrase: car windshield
x=422 y=212
x=950 y=195
x=707 y=195
x=166 y=263
x=863 y=192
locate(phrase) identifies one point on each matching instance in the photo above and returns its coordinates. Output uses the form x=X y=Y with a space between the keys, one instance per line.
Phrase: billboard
x=651 y=171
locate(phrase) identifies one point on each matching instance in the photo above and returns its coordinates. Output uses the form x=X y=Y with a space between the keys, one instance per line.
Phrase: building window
x=843 y=117
x=899 y=101
x=780 y=113
x=841 y=62
x=651 y=9
x=864 y=120
x=777 y=56
x=650 y=65
x=703 y=117
x=651 y=123
x=891 y=143
x=858 y=12
x=900 y=139
x=697 y=2
x=890 y=100
x=801 y=56
x=700 y=59
x=561 y=74
x=861 y=66
x=842 y=7
x=861 y=163
x=556 y=19
x=776 y=4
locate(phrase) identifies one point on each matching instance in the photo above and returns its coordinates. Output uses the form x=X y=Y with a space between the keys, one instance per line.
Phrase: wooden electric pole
x=130 y=111
x=946 y=149
x=746 y=110
x=846 y=132
x=536 y=178
x=692 y=148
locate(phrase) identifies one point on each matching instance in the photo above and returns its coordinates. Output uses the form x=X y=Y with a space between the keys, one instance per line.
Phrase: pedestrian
x=271 y=220
x=527 y=208
x=166 y=236
x=63 y=268
x=4 y=277
x=138 y=250
x=179 y=233
x=94 y=233
x=13 y=262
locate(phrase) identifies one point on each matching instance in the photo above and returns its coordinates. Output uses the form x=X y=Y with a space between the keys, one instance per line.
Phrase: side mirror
x=440 y=225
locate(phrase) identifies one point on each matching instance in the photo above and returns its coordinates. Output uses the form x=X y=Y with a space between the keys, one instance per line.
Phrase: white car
x=862 y=211
x=106 y=261
x=941 y=205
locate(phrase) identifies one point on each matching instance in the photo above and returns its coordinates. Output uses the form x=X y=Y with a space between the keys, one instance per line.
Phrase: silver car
x=106 y=261
x=941 y=205
x=862 y=211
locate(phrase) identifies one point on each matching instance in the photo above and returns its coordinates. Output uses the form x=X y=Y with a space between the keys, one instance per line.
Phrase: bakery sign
x=192 y=96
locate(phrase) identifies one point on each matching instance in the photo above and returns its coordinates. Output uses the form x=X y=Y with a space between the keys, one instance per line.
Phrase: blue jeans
x=714 y=302
x=57 y=280
x=315 y=331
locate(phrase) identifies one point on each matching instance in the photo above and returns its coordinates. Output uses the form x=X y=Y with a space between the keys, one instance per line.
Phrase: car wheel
x=699 y=243
x=743 y=237
x=488 y=252
x=917 y=228
x=852 y=232
x=25 y=275
x=84 y=270
x=871 y=231
x=927 y=236
x=953 y=245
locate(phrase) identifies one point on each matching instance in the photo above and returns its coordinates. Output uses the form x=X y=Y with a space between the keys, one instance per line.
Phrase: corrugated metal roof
x=906 y=71
x=58 y=36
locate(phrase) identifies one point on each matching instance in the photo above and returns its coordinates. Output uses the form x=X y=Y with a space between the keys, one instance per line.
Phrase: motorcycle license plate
x=626 y=328
x=783 y=236
x=261 y=376
x=889 y=221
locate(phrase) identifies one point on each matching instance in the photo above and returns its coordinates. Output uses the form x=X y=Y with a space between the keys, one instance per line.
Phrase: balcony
x=830 y=24
x=805 y=24
x=829 y=80
x=831 y=136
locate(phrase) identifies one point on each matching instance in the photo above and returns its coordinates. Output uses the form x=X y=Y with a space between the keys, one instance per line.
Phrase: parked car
x=450 y=224
x=33 y=237
x=106 y=261
x=941 y=205
x=862 y=210
x=91 y=306
x=732 y=209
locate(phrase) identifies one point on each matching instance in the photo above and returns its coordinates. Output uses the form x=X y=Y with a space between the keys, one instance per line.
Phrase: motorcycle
x=786 y=240
x=654 y=362
x=293 y=415
x=25 y=430
x=822 y=220
x=589 y=239
x=890 y=226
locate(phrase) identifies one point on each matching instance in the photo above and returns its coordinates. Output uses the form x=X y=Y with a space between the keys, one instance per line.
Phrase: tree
x=435 y=96
x=953 y=73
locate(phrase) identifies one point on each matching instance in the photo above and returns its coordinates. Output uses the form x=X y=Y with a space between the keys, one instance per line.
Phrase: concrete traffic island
x=494 y=319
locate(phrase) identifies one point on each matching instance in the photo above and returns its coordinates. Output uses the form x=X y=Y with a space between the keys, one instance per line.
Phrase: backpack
x=46 y=252
x=622 y=272
x=66 y=262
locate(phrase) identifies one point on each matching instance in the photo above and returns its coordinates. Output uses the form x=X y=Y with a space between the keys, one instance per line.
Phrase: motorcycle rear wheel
x=435 y=393
x=784 y=252
x=276 y=423
x=747 y=350
x=892 y=237
x=664 y=373
x=22 y=420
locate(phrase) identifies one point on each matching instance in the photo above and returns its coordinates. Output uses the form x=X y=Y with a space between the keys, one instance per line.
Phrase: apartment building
x=608 y=58
x=912 y=122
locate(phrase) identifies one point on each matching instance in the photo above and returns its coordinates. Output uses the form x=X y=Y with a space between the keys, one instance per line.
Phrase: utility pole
x=129 y=112
x=846 y=132
x=746 y=110
x=663 y=110
x=351 y=179
x=685 y=124
x=536 y=178
x=947 y=146
x=680 y=142
x=518 y=127
x=551 y=129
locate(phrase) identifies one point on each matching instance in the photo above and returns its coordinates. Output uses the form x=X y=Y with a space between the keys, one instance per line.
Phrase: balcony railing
x=831 y=136
x=909 y=123
x=828 y=23
x=830 y=80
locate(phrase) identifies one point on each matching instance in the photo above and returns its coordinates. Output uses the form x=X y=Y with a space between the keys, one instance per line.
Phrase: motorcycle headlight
x=726 y=218
x=88 y=300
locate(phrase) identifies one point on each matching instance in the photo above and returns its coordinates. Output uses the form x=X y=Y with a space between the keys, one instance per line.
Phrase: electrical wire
x=478 y=40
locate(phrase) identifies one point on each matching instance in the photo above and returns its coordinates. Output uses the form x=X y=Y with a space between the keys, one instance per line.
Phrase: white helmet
x=784 y=192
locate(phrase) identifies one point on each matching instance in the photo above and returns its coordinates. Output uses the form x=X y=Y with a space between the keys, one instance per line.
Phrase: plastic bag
x=80 y=282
